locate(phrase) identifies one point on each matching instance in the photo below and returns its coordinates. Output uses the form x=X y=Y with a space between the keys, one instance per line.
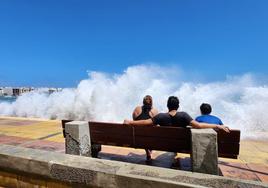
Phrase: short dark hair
x=205 y=108
x=173 y=103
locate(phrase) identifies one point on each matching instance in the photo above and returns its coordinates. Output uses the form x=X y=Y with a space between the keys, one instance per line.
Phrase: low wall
x=26 y=166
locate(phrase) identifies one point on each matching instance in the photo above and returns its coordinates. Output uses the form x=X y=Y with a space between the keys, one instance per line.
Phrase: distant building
x=1 y=91
x=52 y=90
x=26 y=89
x=8 y=91
x=16 y=91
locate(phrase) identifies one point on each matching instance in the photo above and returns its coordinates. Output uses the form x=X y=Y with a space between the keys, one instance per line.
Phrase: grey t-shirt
x=180 y=119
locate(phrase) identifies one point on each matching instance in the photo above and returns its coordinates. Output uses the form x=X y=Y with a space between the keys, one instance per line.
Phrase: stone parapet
x=85 y=171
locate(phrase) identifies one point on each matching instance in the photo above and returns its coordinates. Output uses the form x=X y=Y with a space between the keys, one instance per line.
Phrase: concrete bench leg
x=204 y=154
x=77 y=140
x=95 y=149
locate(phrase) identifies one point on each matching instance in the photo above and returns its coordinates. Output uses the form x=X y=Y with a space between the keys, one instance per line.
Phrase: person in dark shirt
x=206 y=117
x=174 y=118
x=146 y=111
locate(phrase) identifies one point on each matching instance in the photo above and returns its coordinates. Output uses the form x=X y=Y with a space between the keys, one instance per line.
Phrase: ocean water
x=8 y=99
x=240 y=101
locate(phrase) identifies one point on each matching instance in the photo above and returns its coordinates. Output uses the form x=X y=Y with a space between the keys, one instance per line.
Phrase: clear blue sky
x=54 y=42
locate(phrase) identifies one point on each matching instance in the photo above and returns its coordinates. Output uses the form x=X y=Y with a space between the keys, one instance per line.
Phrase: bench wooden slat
x=115 y=140
x=163 y=132
x=229 y=148
x=162 y=144
x=232 y=137
x=173 y=139
x=111 y=133
x=110 y=129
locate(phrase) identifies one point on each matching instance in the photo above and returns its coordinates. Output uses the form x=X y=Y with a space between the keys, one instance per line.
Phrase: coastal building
x=8 y=91
x=26 y=89
x=16 y=91
x=52 y=90
x=1 y=91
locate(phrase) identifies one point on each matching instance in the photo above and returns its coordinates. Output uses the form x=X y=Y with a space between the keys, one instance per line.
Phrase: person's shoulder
x=154 y=111
x=162 y=114
x=215 y=117
x=136 y=112
x=199 y=117
x=138 y=108
x=181 y=113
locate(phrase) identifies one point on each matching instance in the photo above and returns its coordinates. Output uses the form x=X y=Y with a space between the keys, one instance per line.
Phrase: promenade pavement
x=252 y=163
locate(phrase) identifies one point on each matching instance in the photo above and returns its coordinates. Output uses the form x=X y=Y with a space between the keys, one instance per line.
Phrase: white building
x=1 y=91
x=8 y=91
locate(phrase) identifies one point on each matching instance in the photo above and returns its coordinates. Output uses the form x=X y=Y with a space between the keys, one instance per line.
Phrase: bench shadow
x=159 y=159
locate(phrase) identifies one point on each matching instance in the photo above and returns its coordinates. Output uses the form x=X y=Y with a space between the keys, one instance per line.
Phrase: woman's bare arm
x=139 y=122
x=136 y=112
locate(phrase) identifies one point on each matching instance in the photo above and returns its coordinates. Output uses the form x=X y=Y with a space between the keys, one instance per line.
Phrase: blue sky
x=54 y=42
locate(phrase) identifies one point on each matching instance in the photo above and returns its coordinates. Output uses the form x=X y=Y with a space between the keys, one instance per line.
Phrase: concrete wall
x=64 y=170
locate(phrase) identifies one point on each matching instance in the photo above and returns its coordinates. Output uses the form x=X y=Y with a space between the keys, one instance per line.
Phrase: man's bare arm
x=198 y=125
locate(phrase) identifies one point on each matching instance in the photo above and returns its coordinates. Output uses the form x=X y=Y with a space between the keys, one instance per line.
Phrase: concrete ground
x=252 y=163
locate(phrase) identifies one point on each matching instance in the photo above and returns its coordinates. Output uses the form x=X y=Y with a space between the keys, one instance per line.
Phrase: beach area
x=252 y=163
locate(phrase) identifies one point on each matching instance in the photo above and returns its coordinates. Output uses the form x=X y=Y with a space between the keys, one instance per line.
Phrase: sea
x=8 y=99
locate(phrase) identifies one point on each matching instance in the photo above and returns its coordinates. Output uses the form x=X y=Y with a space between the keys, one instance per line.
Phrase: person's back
x=146 y=111
x=206 y=117
x=179 y=119
x=172 y=117
x=143 y=113
x=209 y=119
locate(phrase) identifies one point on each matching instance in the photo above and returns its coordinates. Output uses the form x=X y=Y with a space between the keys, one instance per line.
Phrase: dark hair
x=205 y=109
x=173 y=103
x=147 y=103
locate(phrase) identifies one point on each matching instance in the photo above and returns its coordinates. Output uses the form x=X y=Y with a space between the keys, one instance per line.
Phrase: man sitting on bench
x=205 y=117
x=175 y=118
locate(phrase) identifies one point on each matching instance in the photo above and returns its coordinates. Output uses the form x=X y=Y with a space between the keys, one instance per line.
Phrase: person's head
x=148 y=100
x=205 y=109
x=173 y=103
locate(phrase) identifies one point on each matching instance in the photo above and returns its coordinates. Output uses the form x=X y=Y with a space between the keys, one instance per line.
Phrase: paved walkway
x=252 y=163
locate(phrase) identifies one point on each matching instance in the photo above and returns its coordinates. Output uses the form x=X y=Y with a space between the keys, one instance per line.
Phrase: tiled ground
x=252 y=163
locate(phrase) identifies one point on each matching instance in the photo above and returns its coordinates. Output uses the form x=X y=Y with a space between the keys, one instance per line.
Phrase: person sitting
x=145 y=112
x=174 y=118
x=206 y=117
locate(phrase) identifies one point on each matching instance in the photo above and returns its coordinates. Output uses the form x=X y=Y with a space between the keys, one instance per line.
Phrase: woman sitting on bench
x=145 y=112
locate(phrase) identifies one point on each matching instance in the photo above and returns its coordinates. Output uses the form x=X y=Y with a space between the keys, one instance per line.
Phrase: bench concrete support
x=77 y=141
x=204 y=154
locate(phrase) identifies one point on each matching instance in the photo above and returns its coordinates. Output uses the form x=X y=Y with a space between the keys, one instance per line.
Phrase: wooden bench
x=172 y=139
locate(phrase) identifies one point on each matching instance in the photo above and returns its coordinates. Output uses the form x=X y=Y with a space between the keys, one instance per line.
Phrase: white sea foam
x=241 y=102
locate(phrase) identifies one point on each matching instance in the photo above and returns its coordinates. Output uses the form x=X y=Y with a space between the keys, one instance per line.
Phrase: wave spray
x=239 y=101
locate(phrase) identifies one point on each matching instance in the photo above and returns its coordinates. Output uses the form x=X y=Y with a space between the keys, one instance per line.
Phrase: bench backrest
x=174 y=139
x=146 y=137
x=228 y=143
x=111 y=134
